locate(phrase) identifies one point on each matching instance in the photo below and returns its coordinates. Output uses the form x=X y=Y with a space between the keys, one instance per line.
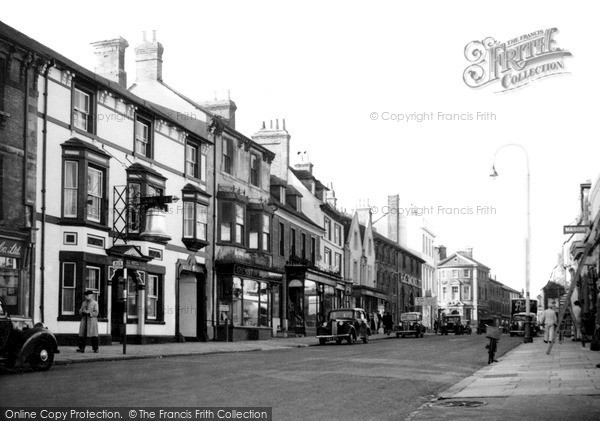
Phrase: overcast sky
x=327 y=66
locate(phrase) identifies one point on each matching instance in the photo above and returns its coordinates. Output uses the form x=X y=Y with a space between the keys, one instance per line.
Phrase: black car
x=22 y=342
x=452 y=324
x=517 y=325
x=410 y=324
x=344 y=323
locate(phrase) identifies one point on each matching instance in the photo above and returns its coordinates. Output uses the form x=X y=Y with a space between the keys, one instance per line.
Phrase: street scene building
x=191 y=228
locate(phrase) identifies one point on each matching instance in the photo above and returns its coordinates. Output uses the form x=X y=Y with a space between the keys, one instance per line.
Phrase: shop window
x=85 y=184
x=250 y=303
x=84 y=104
x=143 y=136
x=312 y=303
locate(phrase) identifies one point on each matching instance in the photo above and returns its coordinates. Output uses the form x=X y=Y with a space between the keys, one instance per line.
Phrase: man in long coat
x=88 y=326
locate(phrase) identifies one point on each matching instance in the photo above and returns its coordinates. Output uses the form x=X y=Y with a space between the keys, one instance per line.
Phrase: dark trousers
x=81 y=340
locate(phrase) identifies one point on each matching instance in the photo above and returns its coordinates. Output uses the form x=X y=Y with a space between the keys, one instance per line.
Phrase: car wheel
x=338 y=341
x=42 y=357
x=352 y=338
x=403 y=336
x=397 y=335
x=322 y=341
x=365 y=339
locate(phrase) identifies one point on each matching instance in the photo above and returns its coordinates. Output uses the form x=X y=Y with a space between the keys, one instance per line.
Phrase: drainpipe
x=44 y=163
x=28 y=64
x=216 y=126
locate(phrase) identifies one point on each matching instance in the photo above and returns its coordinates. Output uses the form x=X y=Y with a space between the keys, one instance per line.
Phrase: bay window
x=232 y=217
x=195 y=217
x=84 y=184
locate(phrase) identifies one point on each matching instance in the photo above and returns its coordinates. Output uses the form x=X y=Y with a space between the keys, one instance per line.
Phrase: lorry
x=519 y=316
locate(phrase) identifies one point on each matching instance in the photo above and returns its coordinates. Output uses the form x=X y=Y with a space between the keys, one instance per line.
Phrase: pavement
x=525 y=383
x=68 y=355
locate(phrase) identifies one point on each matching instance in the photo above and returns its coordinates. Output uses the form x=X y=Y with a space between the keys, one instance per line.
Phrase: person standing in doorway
x=88 y=327
x=549 y=320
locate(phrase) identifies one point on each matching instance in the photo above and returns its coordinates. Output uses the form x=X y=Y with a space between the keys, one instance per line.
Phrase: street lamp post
x=527 y=336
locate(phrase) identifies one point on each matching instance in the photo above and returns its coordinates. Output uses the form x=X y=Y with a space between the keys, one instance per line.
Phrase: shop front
x=248 y=302
x=14 y=275
x=372 y=300
x=311 y=294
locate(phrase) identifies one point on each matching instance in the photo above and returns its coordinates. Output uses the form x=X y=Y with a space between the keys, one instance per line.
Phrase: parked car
x=410 y=324
x=452 y=323
x=23 y=343
x=517 y=324
x=344 y=323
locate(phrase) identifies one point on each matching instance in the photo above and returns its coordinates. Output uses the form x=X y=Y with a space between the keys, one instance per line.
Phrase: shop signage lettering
x=256 y=273
x=10 y=249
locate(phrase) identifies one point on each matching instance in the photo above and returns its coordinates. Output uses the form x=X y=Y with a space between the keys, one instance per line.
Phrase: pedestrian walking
x=88 y=327
x=388 y=322
x=549 y=320
x=576 y=310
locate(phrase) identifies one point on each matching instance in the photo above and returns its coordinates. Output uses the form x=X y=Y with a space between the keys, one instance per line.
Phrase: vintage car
x=517 y=324
x=344 y=323
x=452 y=323
x=410 y=324
x=23 y=343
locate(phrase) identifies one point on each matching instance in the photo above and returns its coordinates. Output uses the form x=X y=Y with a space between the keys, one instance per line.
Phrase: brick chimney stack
x=148 y=58
x=110 y=59
x=224 y=108
x=278 y=141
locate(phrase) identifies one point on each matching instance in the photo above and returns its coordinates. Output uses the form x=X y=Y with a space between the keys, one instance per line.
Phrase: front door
x=117 y=306
x=296 y=310
x=188 y=305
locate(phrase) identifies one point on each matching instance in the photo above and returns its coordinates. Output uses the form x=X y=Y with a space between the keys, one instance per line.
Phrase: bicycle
x=493 y=334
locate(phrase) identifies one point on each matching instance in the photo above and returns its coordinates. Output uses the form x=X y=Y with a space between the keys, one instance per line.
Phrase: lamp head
x=494 y=173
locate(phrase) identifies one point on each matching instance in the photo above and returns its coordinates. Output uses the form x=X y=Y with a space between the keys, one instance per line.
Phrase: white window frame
x=153 y=291
x=94 y=209
x=81 y=112
x=72 y=289
x=70 y=209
